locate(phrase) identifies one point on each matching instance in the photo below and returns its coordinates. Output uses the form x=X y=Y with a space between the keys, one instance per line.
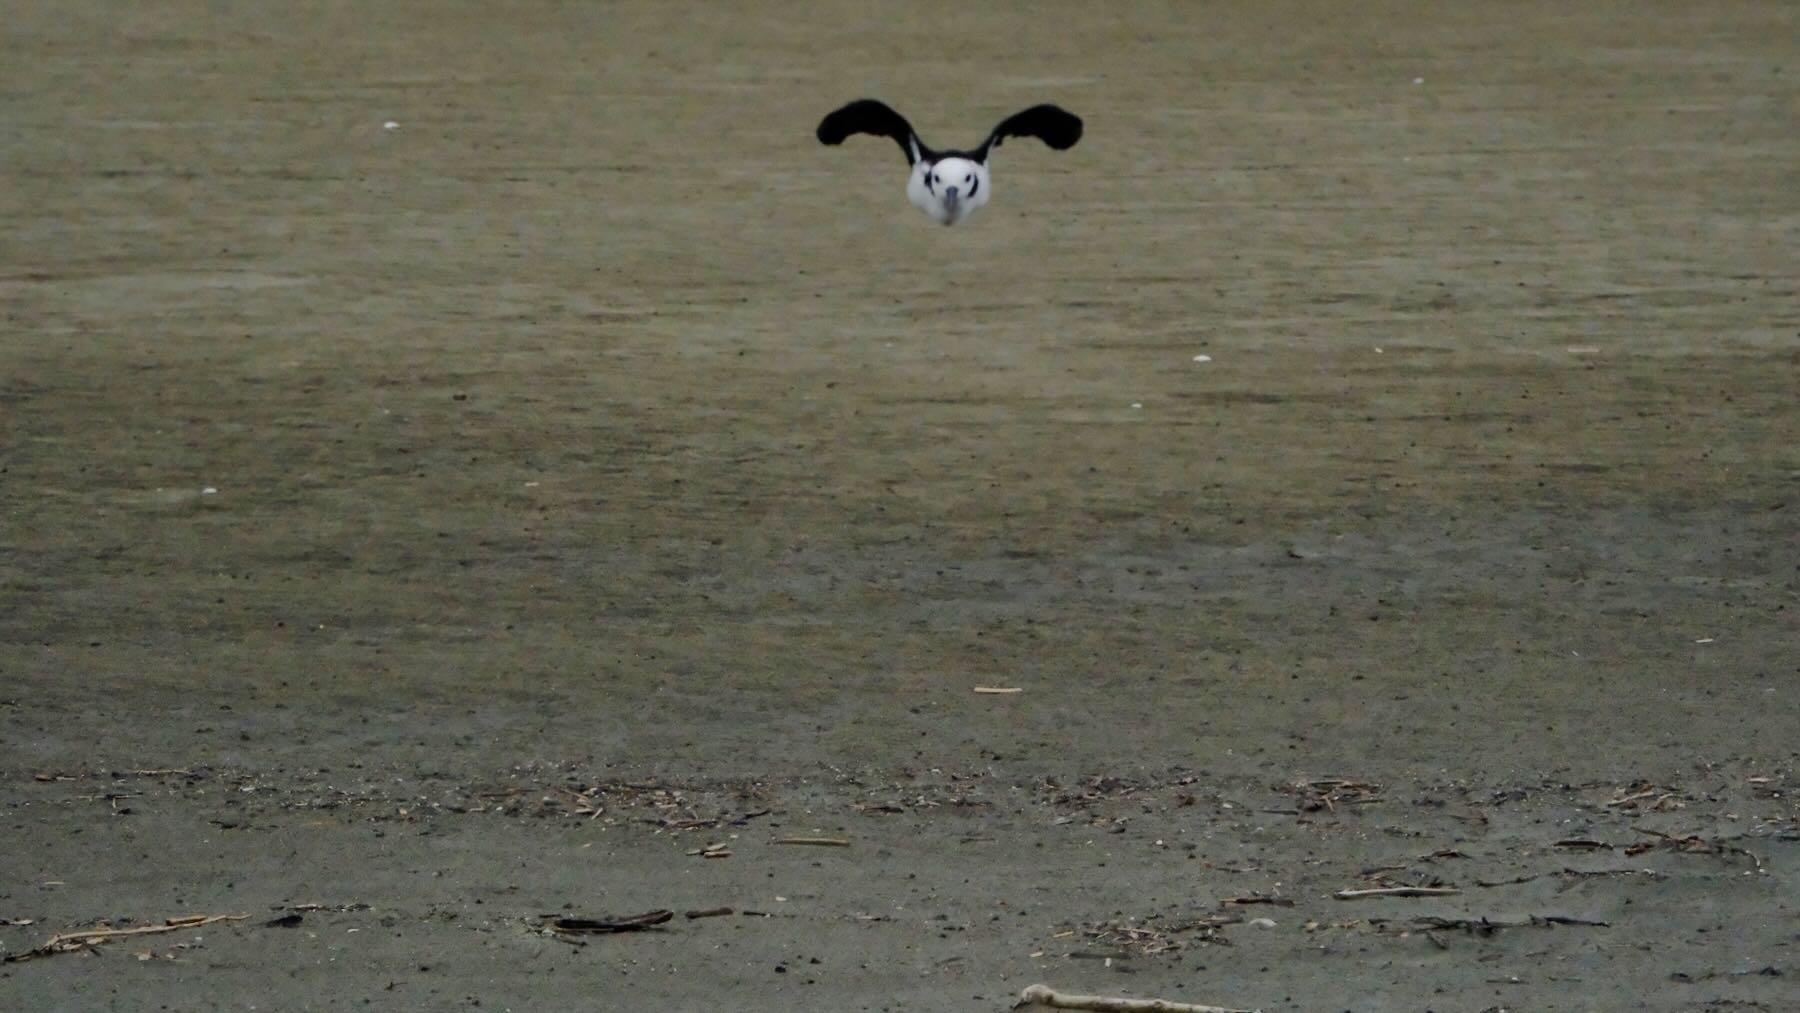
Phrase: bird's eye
x=969 y=178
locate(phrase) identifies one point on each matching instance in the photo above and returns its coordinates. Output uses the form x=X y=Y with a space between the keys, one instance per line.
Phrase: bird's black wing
x=868 y=116
x=1053 y=125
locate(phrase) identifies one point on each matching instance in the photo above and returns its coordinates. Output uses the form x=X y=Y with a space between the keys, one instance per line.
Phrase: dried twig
x=1154 y=937
x=1260 y=898
x=711 y=912
x=1582 y=843
x=1567 y=920
x=1044 y=995
x=68 y=942
x=586 y=803
x=1326 y=793
x=592 y=926
x=999 y=690
x=1485 y=926
x=674 y=824
x=1633 y=797
x=1591 y=873
x=1397 y=891
x=1691 y=844
x=819 y=842
x=1488 y=884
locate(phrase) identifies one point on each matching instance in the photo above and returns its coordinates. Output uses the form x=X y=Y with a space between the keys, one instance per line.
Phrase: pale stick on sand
x=70 y=941
x=1398 y=891
x=1044 y=995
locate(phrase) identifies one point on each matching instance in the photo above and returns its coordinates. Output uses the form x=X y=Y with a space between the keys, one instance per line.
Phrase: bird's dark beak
x=950 y=195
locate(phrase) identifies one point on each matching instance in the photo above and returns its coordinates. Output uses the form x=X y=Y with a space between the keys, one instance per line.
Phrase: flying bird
x=948 y=185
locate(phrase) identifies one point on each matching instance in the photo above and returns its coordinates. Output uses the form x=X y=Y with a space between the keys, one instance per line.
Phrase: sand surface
x=548 y=504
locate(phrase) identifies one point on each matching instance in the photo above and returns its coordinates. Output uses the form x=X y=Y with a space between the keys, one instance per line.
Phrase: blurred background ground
x=460 y=522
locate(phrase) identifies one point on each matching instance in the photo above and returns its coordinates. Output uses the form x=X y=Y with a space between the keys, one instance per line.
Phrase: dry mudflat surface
x=549 y=505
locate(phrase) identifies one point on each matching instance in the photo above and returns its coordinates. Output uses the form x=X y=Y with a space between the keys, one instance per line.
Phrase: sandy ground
x=424 y=531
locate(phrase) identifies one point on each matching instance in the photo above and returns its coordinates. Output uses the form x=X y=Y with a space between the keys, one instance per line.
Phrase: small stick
x=999 y=690
x=1260 y=898
x=1692 y=843
x=1491 y=883
x=1398 y=891
x=1044 y=995
x=820 y=842
x=1486 y=926
x=711 y=912
x=67 y=942
x=1567 y=920
x=632 y=923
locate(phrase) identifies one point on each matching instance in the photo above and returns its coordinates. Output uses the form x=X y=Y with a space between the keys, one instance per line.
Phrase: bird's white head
x=949 y=189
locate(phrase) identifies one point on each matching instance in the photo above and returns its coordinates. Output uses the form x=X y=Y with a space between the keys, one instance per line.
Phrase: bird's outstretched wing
x=1053 y=125
x=868 y=116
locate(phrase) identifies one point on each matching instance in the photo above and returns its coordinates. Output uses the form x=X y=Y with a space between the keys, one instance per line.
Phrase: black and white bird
x=949 y=185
